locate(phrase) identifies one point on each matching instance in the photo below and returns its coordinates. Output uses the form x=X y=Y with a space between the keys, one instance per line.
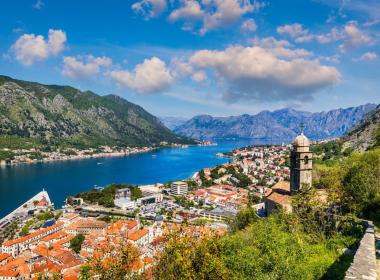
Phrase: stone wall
x=364 y=265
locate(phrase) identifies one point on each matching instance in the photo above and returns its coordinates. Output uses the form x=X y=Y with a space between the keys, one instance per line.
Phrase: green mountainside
x=366 y=135
x=32 y=114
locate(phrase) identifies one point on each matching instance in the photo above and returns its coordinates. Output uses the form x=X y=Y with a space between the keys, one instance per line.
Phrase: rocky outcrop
x=366 y=135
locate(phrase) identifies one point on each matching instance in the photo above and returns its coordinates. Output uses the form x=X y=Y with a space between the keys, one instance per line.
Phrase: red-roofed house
x=19 y=245
x=139 y=237
x=4 y=258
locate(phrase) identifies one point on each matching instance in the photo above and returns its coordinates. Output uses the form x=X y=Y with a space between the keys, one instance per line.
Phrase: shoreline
x=80 y=157
x=62 y=157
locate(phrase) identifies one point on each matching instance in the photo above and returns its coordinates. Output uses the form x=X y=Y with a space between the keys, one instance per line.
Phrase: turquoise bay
x=60 y=179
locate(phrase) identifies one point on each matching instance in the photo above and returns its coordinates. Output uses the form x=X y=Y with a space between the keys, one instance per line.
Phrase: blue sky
x=182 y=58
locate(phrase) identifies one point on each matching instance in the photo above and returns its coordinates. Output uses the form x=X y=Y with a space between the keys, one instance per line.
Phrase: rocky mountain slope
x=366 y=134
x=63 y=115
x=280 y=124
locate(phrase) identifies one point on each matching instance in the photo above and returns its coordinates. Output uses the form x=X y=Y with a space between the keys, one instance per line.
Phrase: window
x=306 y=159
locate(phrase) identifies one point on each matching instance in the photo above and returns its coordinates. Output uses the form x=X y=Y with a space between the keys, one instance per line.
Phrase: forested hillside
x=33 y=114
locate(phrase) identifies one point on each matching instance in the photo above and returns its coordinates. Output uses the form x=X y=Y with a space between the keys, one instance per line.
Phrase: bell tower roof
x=301 y=141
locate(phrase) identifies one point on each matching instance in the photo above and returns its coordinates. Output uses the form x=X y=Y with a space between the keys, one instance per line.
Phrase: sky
x=183 y=58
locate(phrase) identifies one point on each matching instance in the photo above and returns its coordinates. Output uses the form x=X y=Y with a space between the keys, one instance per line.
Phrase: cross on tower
x=302 y=126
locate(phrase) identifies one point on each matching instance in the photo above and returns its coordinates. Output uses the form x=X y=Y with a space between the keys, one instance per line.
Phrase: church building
x=301 y=167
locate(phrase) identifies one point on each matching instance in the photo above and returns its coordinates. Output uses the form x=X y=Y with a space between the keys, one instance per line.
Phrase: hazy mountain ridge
x=54 y=114
x=282 y=124
x=366 y=134
x=173 y=122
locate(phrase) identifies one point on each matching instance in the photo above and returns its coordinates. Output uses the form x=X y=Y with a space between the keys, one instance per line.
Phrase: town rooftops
x=70 y=216
x=279 y=198
x=282 y=186
x=32 y=235
x=138 y=234
x=43 y=202
x=5 y=273
x=4 y=256
x=88 y=224
x=280 y=193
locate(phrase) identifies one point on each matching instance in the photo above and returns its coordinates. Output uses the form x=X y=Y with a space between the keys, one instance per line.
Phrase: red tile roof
x=138 y=234
x=5 y=273
x=4 y=256
x=29 y=236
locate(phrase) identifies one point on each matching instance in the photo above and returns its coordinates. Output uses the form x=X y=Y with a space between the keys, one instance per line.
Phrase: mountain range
x=173 y=122
x=63 y=115
x=279 y=124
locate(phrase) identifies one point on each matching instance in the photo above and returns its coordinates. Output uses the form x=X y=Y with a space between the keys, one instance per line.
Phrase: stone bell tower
x=301 y=163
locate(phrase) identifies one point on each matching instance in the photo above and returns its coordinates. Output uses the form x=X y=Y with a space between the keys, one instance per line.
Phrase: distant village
x=39 y=240
x=34 y=155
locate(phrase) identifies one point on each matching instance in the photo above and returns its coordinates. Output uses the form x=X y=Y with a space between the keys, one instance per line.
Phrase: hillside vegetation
x=33 y=114
x=307 y=244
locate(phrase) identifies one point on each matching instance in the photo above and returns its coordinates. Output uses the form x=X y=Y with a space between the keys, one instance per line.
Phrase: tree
x=243 y=218
x=111 y=262
x=76 y=243
x=190 y=258
x=361 y=184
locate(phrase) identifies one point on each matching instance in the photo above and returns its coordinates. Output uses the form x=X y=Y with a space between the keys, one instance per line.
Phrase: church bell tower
x=301 y=163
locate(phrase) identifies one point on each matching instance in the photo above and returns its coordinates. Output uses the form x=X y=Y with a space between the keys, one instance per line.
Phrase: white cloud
x=332 y=59
x=150 y=8
x=293 y=30
x=350 y=35
x=305 y=38
x=368 y=56
x=56 y=42
x=334 y=35
x=181 y=68
x=255 y=73
x=270 y=42
x=149 y=77
x=206 y=15
x=249 y=25
x=280 y=48
x=84 y=67
x=226 y=13
x=191 y=10
x=199 y=76
x=354 y=37
x=296 y=32
x=30 y=48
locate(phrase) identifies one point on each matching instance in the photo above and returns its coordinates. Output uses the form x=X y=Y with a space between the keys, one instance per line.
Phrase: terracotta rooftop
x=71 y=216
x=279 y=198
x=87 y=224
x=4 y=256
x=282 y=185
x=43 y=202
x=5 y=273
x=57 y=235
x=29 y=236
x=138 y=234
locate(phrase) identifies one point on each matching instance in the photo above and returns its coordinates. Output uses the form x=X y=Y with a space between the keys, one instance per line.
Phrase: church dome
x=301 y=141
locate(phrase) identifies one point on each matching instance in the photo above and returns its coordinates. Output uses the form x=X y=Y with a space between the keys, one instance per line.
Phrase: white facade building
x=179 y=188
